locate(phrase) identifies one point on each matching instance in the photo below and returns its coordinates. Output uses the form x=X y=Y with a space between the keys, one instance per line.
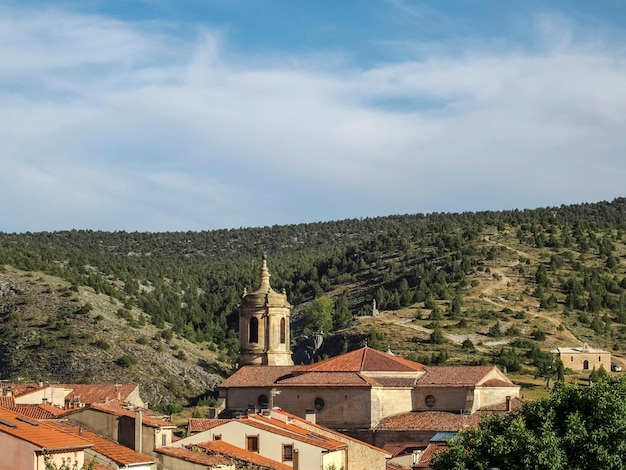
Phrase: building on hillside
x=583 y=358
x=25 y=443
x=128 y=426
x=352 y=392
x=107 y=452
x=288 y=440
x=71 y=396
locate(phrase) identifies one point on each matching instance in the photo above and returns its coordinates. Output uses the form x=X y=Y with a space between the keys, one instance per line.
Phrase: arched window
x=254 y=330
x=585 y=365
x=283 y=331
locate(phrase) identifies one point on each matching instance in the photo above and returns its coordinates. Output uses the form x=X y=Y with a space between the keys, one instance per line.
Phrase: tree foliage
x=575 y=428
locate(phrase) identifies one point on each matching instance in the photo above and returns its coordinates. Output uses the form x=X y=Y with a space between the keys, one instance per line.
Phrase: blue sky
x=162 y=115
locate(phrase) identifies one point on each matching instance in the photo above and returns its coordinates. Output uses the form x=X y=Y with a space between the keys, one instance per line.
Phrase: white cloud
x=115 y=125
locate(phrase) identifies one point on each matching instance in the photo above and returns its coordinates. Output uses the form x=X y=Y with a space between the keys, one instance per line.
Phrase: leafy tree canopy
x=575 y=428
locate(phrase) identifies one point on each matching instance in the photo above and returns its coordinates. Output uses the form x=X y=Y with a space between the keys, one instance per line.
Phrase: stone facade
x=584 y=358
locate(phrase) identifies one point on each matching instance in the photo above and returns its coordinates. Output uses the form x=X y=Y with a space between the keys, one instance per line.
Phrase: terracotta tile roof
x=7 y=401
x=435 y=421
x=193 y=456
x=391 y=381
x=321 y=430
x=497 y=383
x=40 y=434
x=99 y=393
x=344 y=379
x=117 y=411
x=460 y=376
x=291 y=431
x=394 y=466
x=398 y=448
x=362 y=360
x=118 y=453
x=195 y=425
x=100 y=466
x=429 y=453
x=42 y=411
x=257 y=376
x=229 y=450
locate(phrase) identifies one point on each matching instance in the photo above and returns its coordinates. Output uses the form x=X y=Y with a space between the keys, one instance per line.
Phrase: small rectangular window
x=217 y=437
x=163 y=440
x=252 y=443
x=288 y=452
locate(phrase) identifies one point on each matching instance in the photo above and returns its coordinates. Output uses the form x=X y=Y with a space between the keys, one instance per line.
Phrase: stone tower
x=264 y=325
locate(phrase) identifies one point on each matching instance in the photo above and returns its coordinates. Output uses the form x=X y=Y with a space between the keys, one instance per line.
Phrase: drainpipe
x=295 y=456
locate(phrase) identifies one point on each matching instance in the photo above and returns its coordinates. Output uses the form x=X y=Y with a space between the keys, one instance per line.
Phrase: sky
x=176 y=115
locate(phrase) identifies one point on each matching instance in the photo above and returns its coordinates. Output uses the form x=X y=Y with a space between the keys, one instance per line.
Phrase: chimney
x=40 y=384
x=508 y=403
x=295 y=456
x=309 y=415
x=118 y=392
x=138 y=432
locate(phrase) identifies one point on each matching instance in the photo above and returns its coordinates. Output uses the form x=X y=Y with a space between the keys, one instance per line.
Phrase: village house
x=26 y=443
x=288 y=440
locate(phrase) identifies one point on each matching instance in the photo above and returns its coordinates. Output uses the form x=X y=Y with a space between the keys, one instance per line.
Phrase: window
x=283 y=331
x=217 y=437
x=319 y=404
x=252 y=443
x=585 y=365
x=263 y=401
x=430 y=401
x=254 y=330
x=288 y=452
x=571 y=358
x=163 y=440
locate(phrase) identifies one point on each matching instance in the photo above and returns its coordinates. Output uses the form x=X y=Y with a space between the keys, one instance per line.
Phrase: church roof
x=462 y=376
x=264 y=294
x=257 y=376
x=365 y=360
x=429 y=421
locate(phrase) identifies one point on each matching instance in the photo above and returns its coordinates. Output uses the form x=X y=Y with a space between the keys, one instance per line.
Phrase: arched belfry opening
x=264 y=316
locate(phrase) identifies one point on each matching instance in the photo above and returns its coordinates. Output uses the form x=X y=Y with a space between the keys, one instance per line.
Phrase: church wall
x=387 y=401
x=344 y=407
x=451 y=399
x=494 y=395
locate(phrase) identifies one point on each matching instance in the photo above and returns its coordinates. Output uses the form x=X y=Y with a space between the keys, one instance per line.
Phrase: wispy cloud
x=120 y=125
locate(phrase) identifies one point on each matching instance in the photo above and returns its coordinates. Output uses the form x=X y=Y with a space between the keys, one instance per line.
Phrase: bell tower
x=264 y=325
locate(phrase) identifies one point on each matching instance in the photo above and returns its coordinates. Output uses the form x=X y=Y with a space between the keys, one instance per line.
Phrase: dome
x=264 y=295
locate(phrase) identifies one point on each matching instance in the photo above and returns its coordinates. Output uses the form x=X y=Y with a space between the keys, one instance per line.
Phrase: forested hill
x=445 y=269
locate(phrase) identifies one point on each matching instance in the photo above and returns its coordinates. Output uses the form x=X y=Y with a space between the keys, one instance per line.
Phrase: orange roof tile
x=195 y=425
x=98 y=393
x=297 y=433
x=193 y=456
x=429 y=453
x=398 y=448
x=257 y=376
x=118 y=411
x=7 y=401
x=344 y=379
x=40 y=434
x=322 y=430
x=223 y=448
x=118 y=453
x=365 y=359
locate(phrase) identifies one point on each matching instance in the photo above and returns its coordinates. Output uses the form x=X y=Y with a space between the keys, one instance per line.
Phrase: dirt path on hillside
x=503 y=280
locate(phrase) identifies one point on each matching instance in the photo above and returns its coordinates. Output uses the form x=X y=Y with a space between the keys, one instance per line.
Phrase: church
x=352 y=392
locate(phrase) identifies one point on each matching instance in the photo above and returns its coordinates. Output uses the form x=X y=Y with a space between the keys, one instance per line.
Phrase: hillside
x=159 y=309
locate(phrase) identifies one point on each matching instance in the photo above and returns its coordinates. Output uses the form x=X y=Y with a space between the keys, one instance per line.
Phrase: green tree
x=575 y=428
x=318 y=315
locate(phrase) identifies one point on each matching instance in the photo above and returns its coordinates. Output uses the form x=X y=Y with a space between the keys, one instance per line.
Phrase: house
x=124 y=424
x=107 y=452
x=285 y=439
x=583 y=358
x=26 y=443
x=70 y=396
x=273 y=437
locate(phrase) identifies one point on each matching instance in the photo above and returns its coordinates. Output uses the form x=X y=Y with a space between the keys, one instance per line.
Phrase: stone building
x=583 y=358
